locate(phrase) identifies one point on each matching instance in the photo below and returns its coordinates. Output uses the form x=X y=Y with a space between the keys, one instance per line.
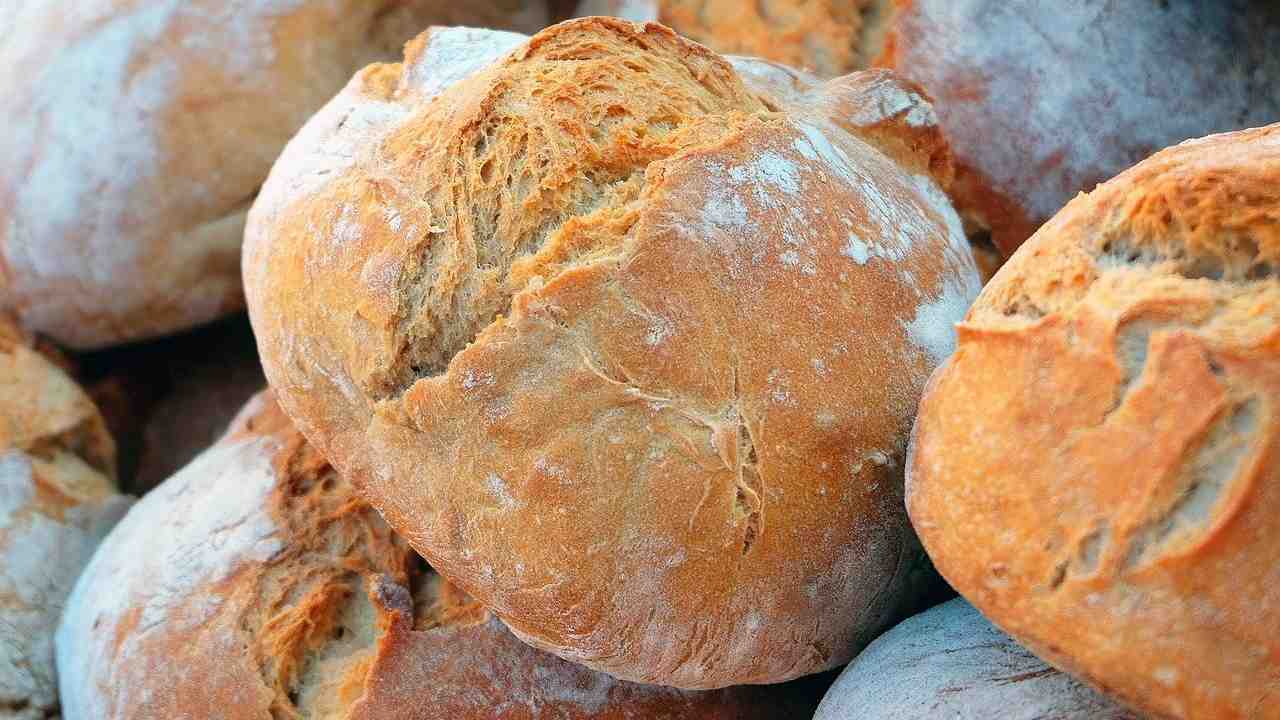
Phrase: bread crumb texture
x=280 y=594
x=57 y=497
x=138 y=133
x=951 y=662
x=1043 y=100
x=626 y=343
x=1097 y=467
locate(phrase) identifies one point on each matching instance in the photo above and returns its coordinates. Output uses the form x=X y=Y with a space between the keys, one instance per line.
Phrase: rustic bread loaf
x=137 y=133
x=1042 y=100
x=56 y=499
x=951 y=662
x=628 y=349
x=823 y=36
x=1097 y=468
x=281 y=594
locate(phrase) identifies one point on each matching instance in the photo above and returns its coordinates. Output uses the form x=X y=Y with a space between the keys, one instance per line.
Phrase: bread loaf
x=625 y=343
x=951 y=662
x=256 y=584
x=138 y=132
x=823 y=36
x=1042 y=100
x=1097 y=468
x=57 y=498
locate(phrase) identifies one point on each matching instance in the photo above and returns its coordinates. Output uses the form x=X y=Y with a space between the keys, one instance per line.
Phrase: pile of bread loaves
x=610 y=376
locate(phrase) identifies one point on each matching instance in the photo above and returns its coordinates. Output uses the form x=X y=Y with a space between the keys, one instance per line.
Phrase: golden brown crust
x=1097 y=467
x=596 y=338
x=1022 y=87
x=306 y=605
x=139 y=133
x=826 y=37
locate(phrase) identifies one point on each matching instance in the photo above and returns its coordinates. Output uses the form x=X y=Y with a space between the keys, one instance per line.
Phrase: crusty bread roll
x=1097 y=468
x=823 y=36
x=137 y=133
x=1041 y=100
x=626 y=348
x=57 y=498
x=279 y=593
x=950 y=662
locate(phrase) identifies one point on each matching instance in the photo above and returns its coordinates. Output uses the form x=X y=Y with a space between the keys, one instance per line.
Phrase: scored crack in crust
x=624 y=342
x=1096 y=466
x=57 y=497
x=305 y=604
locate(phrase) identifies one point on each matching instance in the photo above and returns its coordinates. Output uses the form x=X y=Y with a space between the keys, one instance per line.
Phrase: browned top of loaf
x=320 y=612
x=595 y=337
x=1097 y=467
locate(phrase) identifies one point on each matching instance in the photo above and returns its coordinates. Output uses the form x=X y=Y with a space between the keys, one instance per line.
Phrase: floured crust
x=138 y=135
x=633 y=365
x=1043 y=100
x=951 y=662
x=826 y=37
x=305 y=604
x=57 y=497
x=1097 y=468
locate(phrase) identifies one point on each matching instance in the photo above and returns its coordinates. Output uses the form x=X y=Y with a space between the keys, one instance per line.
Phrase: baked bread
x=626 y=348
x=1097 y=468
x=280 y=594
x=1042 y=100
x=822 y=36
x=951 y=662
x=138 y=132
x=57 y=498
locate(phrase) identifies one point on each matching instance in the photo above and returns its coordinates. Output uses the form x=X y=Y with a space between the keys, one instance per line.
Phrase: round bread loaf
x=823 y=36
x=627 y=348
x=280 y=594
x=1042 y=100
x=57 y=498
x=137 y=133
x=951 y=662
x=1097 y=468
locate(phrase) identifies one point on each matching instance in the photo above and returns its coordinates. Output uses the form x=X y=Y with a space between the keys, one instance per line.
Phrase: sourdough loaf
x=278 y=593
x=137 y=133
x=625 y=343
x=1042 y=100
x=57 y=498
x=950 y=662
x=1097 y=468
x=823 y=36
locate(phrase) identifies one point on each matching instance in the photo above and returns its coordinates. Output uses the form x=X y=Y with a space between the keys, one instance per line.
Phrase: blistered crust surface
x=281 y=594
x=1096 y=466
x=595 y=339
x=1041 y=100
x=139 y=133
x=57 y=498
x=951 y=662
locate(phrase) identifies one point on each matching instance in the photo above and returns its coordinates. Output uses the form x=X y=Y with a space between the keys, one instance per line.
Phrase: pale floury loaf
x=57 y=498
x=950 y=662
x=279 y=593
x=137 y=133
x=626 y=342
x=1097 y=467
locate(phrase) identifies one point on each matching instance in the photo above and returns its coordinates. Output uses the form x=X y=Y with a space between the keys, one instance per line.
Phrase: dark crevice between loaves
x=1205 y=478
